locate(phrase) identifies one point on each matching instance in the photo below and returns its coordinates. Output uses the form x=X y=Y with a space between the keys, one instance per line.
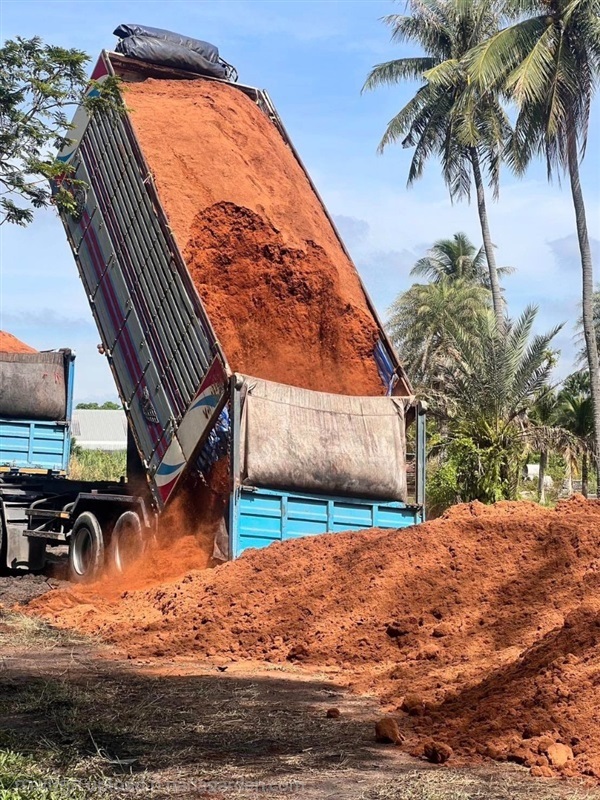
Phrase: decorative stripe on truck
x=198 y=419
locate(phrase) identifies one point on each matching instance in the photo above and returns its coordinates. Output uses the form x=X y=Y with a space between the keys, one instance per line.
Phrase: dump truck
x=298 y=461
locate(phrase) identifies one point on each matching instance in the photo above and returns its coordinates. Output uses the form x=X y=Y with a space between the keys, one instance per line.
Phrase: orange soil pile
x=284 y=299
x=10 y=344
x=480 y=630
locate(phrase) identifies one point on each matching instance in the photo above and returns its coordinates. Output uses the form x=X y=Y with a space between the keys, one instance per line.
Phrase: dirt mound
x=10 y=344
x=285 y=301
x=480 y=629
x=249 y=279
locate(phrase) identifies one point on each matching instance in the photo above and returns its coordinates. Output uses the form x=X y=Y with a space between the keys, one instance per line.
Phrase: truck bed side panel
x=263 y=516
x=33 y=445
x=153 y=328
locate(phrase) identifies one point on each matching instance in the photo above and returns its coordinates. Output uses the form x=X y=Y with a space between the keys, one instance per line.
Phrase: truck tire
x=86 y=549
x=3 y=544
x=126 y=542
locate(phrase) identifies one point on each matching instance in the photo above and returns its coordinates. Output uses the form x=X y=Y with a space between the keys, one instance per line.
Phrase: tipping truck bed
x=169 y=367
x=340 y=460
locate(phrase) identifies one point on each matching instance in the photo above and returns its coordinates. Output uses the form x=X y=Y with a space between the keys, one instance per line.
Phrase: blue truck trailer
x=299 y=462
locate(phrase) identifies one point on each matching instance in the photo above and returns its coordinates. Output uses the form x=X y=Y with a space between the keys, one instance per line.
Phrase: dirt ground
x=480 y=630
x=23 y=588
x=78 y=721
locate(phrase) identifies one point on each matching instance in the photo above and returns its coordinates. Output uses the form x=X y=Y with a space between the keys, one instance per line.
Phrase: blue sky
x=312 y=56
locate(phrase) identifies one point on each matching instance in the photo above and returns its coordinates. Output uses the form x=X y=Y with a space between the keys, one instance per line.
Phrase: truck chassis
x=100 y=521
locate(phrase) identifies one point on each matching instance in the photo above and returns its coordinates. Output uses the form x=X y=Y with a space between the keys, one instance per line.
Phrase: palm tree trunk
x=542 y=475
x=587 y=271
x=584 y=475
x=569 y=476
x=487 y=239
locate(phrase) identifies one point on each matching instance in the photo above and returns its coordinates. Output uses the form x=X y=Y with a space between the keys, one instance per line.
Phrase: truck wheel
x=126 y=541
x=3 y=546
x=86 y=549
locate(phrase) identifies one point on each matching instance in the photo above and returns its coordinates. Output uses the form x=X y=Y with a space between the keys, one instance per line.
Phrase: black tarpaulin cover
x=170 y=49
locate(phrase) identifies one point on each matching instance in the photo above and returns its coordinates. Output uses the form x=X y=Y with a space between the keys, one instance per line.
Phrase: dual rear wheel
x=91 y=550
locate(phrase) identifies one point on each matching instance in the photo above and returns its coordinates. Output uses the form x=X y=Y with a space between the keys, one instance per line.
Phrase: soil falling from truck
x=284 y=299
x=480 y=630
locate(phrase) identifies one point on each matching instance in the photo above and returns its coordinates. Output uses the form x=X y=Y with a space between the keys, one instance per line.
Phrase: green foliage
x=547 y=63
x=420 y=321
x=495 y=377
x=22 y=779
x=453 y=258
x=442 y=490
x=38 y=84
x=498 y=373
x=456 y=259
x=486 y=473
x=446 y=118
x=574 y=411
x=107 y=405
x=98 y=465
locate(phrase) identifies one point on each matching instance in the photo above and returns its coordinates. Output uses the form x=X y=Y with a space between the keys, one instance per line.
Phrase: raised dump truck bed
x=169 y=367
x=298 y=461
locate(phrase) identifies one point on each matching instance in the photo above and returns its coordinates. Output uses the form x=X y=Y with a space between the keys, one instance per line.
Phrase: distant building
x=99 y=429
x=531 y=472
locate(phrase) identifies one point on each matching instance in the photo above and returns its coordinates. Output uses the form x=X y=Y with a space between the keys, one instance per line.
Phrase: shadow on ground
x=114 y=728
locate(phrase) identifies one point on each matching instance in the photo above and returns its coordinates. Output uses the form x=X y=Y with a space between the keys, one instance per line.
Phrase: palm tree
x=455 y=258
x=495 y=379
x=443 y=119
x=544 y=415
x=575 y=413
x=420 y=319
x=580 y=336
x=548 y=63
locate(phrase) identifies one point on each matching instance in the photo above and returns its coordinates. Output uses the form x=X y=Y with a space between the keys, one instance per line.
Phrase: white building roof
x=99 y=429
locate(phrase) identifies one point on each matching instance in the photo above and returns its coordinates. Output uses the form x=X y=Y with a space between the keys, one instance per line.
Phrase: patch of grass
x=98 y=465
x=19 y=630
x=447 y=784
x=22 y=778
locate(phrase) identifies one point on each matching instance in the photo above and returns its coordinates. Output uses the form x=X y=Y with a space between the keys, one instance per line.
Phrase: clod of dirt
x=541 y=772
x=533 y=729
x=396 y=629
x=298 y=652
x=443 y=629
x=413 y=704
x=284 y=298
x=544 y=743
x=558 y=754
x=10 y=344
x=387 y=731
x=521 y=755
x=437 y=752
x=333 y=713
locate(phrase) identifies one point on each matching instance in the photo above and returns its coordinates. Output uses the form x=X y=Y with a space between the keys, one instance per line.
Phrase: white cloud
x=386 y=230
